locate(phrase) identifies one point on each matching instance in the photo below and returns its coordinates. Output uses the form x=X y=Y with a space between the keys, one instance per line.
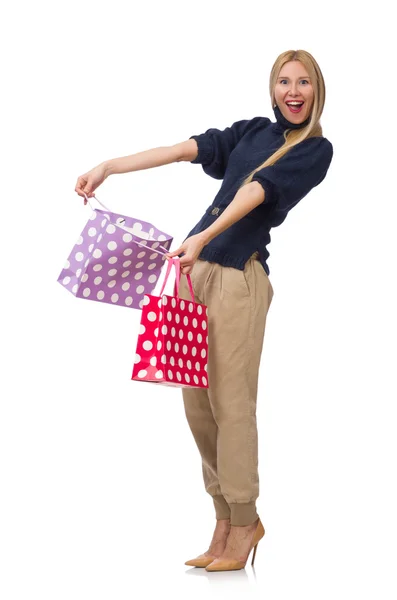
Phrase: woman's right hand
x=90 y=181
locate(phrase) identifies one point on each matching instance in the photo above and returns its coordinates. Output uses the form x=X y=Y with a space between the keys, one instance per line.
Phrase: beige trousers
x=223 y=418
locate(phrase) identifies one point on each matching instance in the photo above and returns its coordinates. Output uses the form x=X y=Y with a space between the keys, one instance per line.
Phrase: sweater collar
x=283 y=123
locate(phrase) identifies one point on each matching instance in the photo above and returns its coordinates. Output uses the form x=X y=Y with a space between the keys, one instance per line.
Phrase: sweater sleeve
x=215 y=146
x=293 y=176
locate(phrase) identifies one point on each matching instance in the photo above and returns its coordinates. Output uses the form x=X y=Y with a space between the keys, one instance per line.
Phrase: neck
x=284 y=124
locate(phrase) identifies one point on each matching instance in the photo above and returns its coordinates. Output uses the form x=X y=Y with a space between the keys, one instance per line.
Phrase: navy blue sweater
x=231 y=155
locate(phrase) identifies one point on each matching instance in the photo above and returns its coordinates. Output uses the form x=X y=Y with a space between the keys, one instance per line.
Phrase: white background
x=101 y=489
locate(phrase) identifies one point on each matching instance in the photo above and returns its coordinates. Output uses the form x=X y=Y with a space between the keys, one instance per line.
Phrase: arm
x=156 y=157
x=87 y=183
x=295 y=174
x=247 y=198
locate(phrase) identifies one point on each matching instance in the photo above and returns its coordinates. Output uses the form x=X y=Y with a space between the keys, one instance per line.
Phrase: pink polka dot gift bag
x=172 y=346
x=117 y=259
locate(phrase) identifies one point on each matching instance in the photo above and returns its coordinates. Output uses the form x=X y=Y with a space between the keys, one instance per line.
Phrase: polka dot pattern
x=168 y=352
x=107 y=265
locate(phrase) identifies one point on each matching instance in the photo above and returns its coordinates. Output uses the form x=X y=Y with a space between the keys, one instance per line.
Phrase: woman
x=267 y=168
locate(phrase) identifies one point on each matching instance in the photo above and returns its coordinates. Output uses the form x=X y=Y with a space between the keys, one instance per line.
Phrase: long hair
x=313 y=128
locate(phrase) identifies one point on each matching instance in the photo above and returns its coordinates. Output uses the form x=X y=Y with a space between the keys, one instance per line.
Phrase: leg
x=205 y=431
x=238 y=303
x=199 y=412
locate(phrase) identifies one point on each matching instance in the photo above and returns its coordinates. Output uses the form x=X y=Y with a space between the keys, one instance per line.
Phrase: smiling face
x=294 y=85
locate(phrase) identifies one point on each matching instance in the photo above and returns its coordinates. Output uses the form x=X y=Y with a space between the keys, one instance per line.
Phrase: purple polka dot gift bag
x=117 y=259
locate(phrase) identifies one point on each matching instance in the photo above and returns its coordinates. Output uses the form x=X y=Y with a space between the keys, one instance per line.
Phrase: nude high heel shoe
x=200 y=561
x=235 y=565
x=203 y=560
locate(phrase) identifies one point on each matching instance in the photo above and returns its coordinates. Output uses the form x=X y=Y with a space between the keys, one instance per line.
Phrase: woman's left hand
x=191 y=248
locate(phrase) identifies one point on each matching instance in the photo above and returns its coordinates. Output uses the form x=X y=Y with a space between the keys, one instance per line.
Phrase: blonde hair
x=313 y=128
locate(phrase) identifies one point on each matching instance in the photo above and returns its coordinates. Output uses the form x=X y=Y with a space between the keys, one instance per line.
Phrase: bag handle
x=99 y=202
x=171 y=261
x=135 y=242
x=177 y=265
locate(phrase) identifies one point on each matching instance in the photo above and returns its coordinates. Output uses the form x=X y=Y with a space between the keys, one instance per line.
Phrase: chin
x=296 y=118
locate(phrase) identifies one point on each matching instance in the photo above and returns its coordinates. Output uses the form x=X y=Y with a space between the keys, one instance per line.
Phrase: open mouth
x=295 y=107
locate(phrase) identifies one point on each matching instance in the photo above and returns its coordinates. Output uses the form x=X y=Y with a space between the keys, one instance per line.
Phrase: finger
x=80 y=183
x=85 y=184
x=186 y=260
x=175 y=252
x=79 y=192
x=168 y=256
x=187 y=269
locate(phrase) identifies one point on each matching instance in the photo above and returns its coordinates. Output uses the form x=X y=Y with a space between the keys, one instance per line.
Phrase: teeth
x=294 y=103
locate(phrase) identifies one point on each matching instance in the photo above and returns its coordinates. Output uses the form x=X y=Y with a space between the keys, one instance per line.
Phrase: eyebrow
x=303 y=77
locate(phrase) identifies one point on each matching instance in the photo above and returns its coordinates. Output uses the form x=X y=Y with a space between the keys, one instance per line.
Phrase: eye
x=305 y=80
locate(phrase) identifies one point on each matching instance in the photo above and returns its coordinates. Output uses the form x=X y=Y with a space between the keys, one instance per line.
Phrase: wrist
x=205 y=237
x=108 y=166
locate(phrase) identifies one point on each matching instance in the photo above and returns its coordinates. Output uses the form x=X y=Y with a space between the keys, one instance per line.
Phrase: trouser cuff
x=243 y=514
x=222 y=509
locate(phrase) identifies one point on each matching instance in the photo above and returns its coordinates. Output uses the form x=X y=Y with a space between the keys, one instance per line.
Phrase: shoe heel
x=254 y=554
